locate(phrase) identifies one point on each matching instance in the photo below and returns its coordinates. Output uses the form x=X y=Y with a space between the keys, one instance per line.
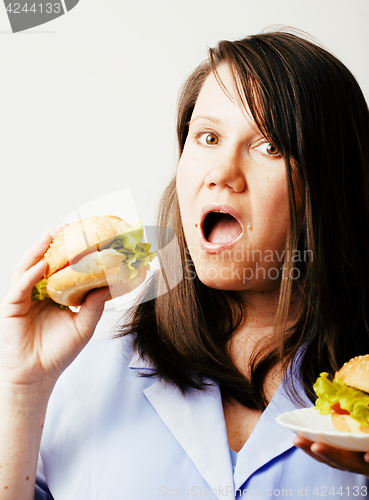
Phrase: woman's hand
x=38 y=340
x=351 y=461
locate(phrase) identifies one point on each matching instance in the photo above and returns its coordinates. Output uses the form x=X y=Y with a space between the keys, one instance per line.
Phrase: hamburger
x=94 y=253
x=346 y=397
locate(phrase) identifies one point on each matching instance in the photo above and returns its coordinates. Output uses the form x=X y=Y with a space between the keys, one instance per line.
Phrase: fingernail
x=104 y=295
x=314 y=448
x=45 y=236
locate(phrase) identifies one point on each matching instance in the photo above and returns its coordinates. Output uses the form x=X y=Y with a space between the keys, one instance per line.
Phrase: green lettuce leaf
x=350 y=399
x=39 y=292
x=130 y=244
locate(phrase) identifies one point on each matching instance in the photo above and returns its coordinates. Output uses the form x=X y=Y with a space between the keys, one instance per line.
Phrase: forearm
x=37 y=343
x=22 y=414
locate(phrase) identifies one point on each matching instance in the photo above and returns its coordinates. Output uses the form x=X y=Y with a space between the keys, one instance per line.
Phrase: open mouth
x=221 y=227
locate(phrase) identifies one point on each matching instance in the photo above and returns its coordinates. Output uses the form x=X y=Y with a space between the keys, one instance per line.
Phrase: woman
x=273 y=174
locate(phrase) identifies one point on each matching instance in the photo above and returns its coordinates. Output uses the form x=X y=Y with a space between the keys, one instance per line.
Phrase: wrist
x=27 y=399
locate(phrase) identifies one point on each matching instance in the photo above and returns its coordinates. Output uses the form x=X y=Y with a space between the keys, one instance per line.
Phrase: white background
x=87 y=101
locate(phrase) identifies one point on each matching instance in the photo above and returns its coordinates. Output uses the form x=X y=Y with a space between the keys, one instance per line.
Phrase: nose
x=227 y=172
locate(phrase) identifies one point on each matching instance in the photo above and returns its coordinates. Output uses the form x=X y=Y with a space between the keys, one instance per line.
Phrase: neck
x=258 y=327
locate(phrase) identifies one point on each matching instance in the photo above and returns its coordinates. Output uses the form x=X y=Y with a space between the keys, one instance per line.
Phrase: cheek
x=271 y=217
x=187 y=182
x=279 y=203
x=273 y=198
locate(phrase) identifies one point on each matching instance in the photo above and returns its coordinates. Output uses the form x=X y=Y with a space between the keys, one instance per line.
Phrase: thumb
x=90 y=312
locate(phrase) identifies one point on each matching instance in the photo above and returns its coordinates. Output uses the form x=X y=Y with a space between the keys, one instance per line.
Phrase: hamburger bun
x=354 y=373
x=80 y=260
x=344 y=423
x=74 y=239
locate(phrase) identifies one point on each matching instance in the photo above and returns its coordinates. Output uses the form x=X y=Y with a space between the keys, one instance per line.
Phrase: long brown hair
x=308 y=104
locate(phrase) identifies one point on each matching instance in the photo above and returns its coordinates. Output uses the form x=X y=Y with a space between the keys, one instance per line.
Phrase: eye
x=206 y=138
x=268 y=149
x=211 y=139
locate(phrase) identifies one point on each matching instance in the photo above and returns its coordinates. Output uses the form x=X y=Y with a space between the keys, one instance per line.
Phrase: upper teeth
x=219 y=212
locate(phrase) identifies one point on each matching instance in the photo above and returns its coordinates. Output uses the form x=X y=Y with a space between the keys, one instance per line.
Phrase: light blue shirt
x=111 y=434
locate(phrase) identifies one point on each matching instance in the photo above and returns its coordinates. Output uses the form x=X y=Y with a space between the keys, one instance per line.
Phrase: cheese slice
x=98 y=262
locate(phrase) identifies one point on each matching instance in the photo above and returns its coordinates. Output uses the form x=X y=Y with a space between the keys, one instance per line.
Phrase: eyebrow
x=205 y=117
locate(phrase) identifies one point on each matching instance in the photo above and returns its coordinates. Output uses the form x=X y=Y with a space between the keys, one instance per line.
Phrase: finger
x=302 y=442
x=339 y=459
x=35 y=253
x=55 y=229
x=90 y=313
x=305 y=445
x=32 y=256
x=352 y=461
x=22 y=289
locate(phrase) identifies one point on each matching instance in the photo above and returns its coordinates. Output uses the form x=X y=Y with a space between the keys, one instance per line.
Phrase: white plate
x=310 y=424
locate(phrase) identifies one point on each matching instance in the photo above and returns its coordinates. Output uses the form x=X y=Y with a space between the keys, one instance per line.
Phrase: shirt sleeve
x=42 y=492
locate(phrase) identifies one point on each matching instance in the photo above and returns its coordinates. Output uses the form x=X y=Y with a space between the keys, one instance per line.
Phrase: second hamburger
x=346 y=397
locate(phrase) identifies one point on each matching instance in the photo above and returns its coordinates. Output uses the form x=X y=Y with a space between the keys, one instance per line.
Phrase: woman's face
x=233 y=195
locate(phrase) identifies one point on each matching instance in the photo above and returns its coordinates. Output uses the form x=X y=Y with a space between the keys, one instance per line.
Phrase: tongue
x=224 y=230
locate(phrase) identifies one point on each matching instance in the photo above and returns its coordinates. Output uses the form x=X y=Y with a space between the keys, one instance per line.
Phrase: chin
x=219 y=279
x=234 y=279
